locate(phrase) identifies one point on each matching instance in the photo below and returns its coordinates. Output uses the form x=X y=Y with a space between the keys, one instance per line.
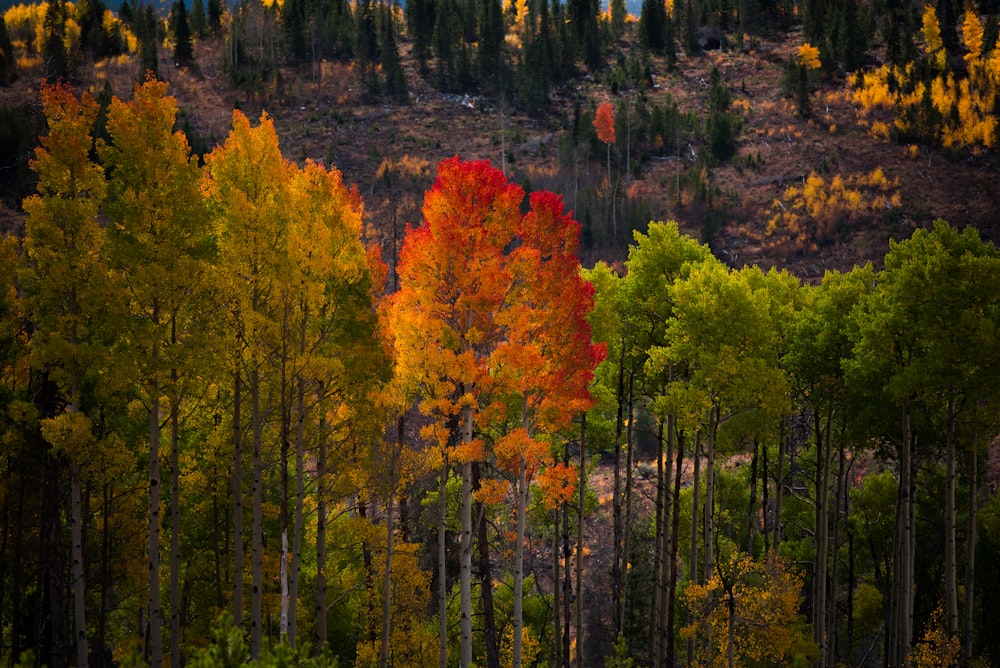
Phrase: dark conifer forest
x=482 y=333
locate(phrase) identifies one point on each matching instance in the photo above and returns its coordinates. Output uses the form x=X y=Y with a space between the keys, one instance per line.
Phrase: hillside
x=390 y=150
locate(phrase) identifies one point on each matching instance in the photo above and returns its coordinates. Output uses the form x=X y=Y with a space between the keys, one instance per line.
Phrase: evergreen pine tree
x=183 y=51
x=149 y=59
x=652 y=25
x=392 y=70
x=199 y=21
x=55 y=60
x=670 y=44
x=491 y=45
x=214 y=8
x=618 y=14
x=420 y=16
x=8 y=63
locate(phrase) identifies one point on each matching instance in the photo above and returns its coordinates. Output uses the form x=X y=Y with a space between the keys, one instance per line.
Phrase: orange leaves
x=557 y=484
x=809 y=56
x=604 y=123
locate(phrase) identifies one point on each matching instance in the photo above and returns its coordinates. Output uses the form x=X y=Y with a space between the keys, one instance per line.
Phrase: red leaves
x=604 y=123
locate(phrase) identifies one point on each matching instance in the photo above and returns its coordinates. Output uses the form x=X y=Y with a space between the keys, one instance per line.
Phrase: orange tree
x=489 y=323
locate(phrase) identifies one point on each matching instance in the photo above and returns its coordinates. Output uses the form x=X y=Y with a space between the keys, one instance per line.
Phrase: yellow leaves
x=809 y=56
x=937 y=649
x=954 y=113
x=69 y=433
x=765 y=598
x=816 y=212
x=933 y=45
x=972 y=35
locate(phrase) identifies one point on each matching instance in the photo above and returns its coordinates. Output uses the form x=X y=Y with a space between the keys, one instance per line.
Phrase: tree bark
x=485 y=579
x=298 y=522
x=670 y=652
x=175 y=533
x=321 y=534
x=693 y=554
x=79 y=583
x=465 y=567
x=153 y=546
x=578 y=611
x=257 y=519
x=522 y=497
x=709 y=545
x=616 y=502
x=970 y=559
x=821 y=530
x=950 y=547
x=237 y=492
x=443 y=567
x=383 y=655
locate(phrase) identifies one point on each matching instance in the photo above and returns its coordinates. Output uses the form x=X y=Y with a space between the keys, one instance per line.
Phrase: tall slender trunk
x=765 y=499
x=485 y=578
x=521 y=490
x=79 y=583
x=153 y=546
x=567 y=585
x=465 y=568
x=285 y=446
x=557 y=599
x=970 y=559
x=443 y=566
x=779 y=487
x=839 y=502
x=713 y=423
x=618 y=557
x=656 y=608
x=693 y=554
x=298 y=526
x=321 y=532
x=668 y=541
x=627 y=519
x=237 y=493
x=383 y=653
x=950 y=546
x=175 y=532
x=257 y=519
x=900 y=626
x=752 y=511
x=582 y=494
x=670 y=652
x=823 y=433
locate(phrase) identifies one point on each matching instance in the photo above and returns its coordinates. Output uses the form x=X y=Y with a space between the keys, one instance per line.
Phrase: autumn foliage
x=604 y=123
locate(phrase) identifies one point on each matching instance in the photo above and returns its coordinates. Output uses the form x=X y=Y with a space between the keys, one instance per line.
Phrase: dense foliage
x=224 y=440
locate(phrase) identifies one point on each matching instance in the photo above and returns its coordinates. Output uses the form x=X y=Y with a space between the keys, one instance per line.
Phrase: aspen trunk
x=79 y=584
x=578 y=611
x=669 y=654
x=821 y=531
x=321 y=534
x=522 y=498
x=616 y=502
x=950 y=547
x=298 y=523
x=970 y=560
x=257 y=519
x=175 y=534
x=693 y=554
x=153 y=546
x=237 y=492
x=485 y=579
x=443 y=567
x=465 y=569
x=710 y=494
x=383 y=656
